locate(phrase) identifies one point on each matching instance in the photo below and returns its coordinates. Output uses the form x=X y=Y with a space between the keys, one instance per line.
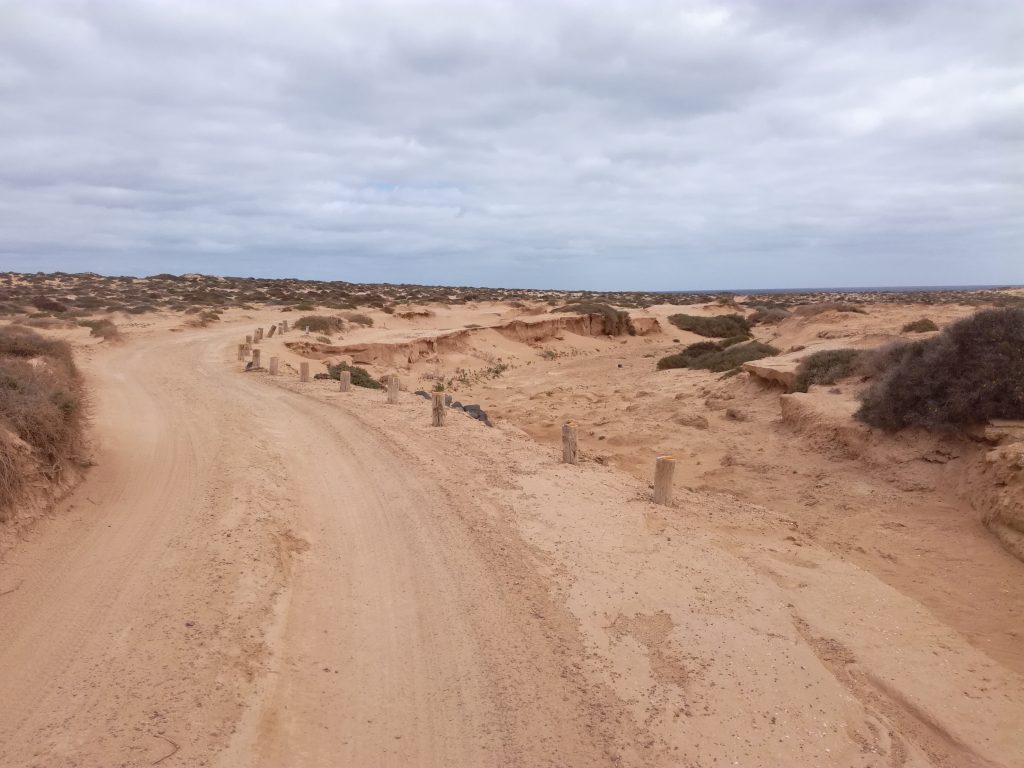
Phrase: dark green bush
x=617 y=322
x=720 y=327
x=920 y=326
x=360 y=377
x=709 y=356
x=971 y=372
x=825 y=367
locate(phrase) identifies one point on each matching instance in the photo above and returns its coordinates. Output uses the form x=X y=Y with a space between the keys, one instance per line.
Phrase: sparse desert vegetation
x=42 y=411
x=826 y=367
x=718 y=357
x=717 y=326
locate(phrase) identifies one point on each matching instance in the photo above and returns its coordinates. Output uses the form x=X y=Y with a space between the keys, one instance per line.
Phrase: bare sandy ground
x=260 y=572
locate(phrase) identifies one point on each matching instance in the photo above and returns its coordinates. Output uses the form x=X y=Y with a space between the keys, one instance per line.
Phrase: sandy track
x=262 y=573
x=164 y=613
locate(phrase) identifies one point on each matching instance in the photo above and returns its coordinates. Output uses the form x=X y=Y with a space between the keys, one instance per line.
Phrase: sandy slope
x=264 y=573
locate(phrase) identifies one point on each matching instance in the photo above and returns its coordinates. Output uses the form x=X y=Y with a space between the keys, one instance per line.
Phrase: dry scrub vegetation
x=42 y=411
x=971 y=372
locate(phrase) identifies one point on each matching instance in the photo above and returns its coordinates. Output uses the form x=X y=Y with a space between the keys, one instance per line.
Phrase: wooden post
x=272 y=331
x=248 y=340
x=284 y=326
x=345 y=381
x=303 y=371
x=392 y=390
x=273 y=366
x=664 y=468
x=307 y=331
x=259 y=334
x=570 y=451
x=437 y=409
x=255 y=358
x=241 y=351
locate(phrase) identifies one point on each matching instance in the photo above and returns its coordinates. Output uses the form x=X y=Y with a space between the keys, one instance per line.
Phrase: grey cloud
x=621 y=144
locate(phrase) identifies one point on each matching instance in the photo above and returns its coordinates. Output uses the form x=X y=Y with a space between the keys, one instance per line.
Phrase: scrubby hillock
x=42 y=414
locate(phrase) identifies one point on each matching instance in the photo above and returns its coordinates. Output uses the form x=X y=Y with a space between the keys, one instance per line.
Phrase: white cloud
x=645 y=144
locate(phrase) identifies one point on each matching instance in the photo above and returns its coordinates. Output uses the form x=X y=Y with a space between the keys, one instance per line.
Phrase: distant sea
x=848 y=289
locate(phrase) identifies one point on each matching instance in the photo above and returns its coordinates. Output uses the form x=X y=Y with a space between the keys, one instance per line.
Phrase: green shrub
x=825 y=367
x=720 y=327
x=920 y=326
x=360 y=377
x=709 y=356
x=319 y=324
x=971 y=372
x=733 y=340
x=616 y=321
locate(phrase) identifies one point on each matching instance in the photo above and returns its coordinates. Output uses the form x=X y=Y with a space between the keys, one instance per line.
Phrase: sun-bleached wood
x=248 y=339
x=393 y=390
x=272 y=331
x=345 y=381
x=303 y=371
x=274 y=362
x=284 y=326
x=664 y=469
x=570 y=449
x=255 y=358
x=437 y=409
x=241 y=351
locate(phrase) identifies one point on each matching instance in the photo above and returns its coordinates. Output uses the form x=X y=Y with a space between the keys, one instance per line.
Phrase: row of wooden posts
x=664 y=466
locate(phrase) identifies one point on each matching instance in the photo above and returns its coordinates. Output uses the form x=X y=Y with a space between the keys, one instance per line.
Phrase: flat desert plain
x=261 y=571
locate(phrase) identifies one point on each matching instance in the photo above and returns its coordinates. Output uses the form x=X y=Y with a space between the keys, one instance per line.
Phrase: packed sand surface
x=263 y=572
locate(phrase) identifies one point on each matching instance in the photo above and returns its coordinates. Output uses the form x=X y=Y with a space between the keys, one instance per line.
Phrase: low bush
x=825 y=367
x=360 y=377
x=710 y=356
x=768 y=316
x=971 y=372
x=319 y=324
x=720 y=327
x=103 y=329
x=48 y=305
x=41 y=403
x=359 y=319
x=810 y=310
x=616 y=321
x=920 y=326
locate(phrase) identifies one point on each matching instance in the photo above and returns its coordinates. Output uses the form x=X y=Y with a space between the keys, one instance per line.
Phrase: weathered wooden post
x=437 y=409
x=307 y=331
x=393 y=390
x=272 y=331
x=255 y=358
x=664 y=468
x=303 y=371
x=284 y=326
x=345 y=381
x=241 y=351
x=248 y=339
x=274 y=362
x=570 y=450
x=259 y=334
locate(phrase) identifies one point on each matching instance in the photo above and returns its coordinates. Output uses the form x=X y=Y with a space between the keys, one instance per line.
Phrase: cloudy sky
x=634 y=144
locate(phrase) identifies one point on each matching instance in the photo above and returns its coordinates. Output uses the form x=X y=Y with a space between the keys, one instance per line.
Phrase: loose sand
x=260 y=572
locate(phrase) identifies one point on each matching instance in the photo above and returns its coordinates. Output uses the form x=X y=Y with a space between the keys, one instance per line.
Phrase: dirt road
x=262 y=573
